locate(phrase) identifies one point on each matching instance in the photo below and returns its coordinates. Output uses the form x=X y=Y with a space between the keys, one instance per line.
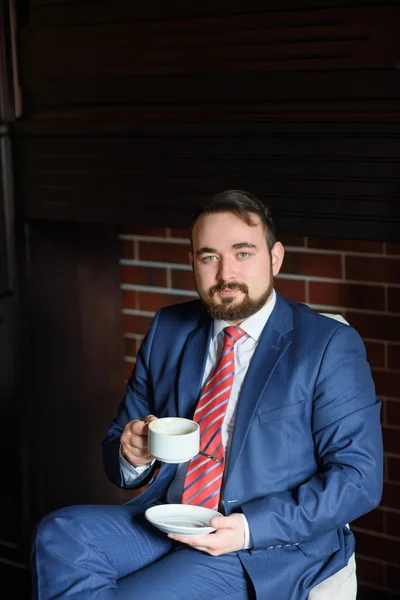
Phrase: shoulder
x=193 y=309
x=310 y=323
x=329 y=331
x=182 y=316
x=171 y=325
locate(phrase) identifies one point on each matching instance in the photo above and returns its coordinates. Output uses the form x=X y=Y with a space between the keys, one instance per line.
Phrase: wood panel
x=10 y=94
x=133 y=112
x=77 y=362
x=329 y=59
x=319 y=178
x=11 y=498
x=7 y=259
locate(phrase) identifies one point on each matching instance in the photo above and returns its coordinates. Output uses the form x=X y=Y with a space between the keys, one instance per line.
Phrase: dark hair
x=241 y=203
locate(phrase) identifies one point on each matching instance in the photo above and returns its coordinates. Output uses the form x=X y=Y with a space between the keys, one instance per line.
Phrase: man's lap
x=126 y=554
x=116 y=552
x=188 y=574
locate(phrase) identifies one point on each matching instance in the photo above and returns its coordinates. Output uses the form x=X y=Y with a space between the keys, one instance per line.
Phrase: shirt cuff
x=128 y=471
x=248 y=541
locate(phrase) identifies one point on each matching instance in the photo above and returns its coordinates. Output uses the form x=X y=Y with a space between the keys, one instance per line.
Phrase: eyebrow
x=206 y=250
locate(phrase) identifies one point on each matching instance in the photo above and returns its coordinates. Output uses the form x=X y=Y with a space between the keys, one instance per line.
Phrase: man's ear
x=277 y=254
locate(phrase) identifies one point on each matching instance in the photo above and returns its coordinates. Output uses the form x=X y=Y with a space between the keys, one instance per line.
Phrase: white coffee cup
x=174 y=439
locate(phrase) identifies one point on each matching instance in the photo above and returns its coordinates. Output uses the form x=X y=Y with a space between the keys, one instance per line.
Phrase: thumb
x=220 y=523
x=149 y=419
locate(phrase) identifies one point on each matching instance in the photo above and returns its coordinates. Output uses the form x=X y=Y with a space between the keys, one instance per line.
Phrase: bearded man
x=292 y=430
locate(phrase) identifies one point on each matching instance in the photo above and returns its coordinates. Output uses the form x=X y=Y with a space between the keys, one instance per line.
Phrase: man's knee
x=55 y=528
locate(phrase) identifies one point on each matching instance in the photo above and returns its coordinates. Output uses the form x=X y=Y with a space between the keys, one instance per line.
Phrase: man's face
x=232 y=265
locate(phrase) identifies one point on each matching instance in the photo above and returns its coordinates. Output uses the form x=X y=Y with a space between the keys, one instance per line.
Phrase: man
x=300 y=442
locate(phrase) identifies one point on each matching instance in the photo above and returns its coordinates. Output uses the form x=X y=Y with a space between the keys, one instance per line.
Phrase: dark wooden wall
x=133 y=112
x=118 y=112
x=13 y=521
x=76 y=362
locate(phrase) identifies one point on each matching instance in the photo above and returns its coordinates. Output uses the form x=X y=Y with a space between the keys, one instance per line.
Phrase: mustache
x=232 y=285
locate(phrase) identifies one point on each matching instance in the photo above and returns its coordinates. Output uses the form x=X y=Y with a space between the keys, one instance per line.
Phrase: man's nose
x=226 y=270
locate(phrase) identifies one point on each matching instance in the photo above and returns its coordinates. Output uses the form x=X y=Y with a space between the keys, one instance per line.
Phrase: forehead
x=226 y=228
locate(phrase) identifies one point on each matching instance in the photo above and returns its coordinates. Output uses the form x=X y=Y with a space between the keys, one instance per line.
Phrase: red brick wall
x=361 y=281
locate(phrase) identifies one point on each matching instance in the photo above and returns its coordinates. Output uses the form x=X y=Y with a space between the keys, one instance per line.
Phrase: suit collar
x=194 y=358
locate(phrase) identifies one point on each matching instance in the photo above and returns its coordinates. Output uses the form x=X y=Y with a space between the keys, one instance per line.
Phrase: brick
x=372 y=521
x=394 y=299
x=367 y=268
x=393 y=578
x=392 y=413
x=391 y=439
x=387 y=383
x=377 y=546
x=174 y=253
x=126 y=249
x=129 y=299
x=144 y=275
x=378 y=327
x=136 y=324
x=317 y=265
x=293 y=240
x=383 y=411
x=182 y=280
x=391 y=496
x=393 y=248
x=375 y=353
x=347 y=295
x=149 y=301
x=366 y=592
x=292 y=289
x=393 y=524
x=393 y=469
x=349 y=245
x=369 y=571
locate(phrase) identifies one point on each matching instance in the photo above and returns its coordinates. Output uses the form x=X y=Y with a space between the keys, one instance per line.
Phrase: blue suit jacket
x=306 y=455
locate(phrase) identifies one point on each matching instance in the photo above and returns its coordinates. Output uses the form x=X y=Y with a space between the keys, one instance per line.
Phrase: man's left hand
x=229 y=536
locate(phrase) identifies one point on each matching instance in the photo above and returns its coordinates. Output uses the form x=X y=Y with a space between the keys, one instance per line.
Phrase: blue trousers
x=110 y=552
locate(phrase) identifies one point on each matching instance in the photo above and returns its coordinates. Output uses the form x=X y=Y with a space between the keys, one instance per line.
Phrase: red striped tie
x=204 y=476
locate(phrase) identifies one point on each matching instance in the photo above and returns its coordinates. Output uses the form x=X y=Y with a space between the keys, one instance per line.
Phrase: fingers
x=229 y=537
x=197 y=545
x=198 y=542
x=221 y=523
x=134 y=441
x=149 y=418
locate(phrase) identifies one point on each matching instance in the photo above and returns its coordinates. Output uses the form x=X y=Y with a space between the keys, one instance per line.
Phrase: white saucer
x=182 y=519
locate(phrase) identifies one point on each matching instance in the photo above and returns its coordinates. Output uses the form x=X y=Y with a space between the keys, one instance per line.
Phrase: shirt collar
x=254 y=325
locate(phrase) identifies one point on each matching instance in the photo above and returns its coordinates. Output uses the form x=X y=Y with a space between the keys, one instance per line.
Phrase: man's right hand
x=134 y=441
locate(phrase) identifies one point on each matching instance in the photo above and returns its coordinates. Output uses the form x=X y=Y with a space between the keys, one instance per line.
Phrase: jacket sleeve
x=137 y=403
x=347 y=438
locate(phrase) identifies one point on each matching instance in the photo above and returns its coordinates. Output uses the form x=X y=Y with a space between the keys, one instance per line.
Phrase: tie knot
x=233 y=333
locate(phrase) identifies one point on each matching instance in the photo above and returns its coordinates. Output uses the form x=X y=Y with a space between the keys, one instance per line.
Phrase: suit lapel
x=192 y=367
x=274 y=340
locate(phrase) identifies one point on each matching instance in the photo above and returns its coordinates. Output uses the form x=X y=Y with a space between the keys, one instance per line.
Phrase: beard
x=232 y=310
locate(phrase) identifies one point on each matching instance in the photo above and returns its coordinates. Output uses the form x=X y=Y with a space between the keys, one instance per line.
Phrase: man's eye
x=243 y=254
x=209 y=258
